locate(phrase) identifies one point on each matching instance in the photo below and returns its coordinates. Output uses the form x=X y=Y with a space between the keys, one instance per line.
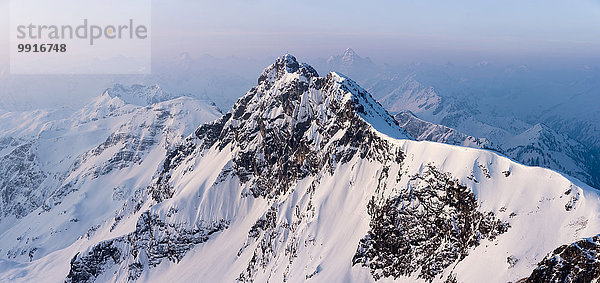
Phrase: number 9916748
x=38 y=48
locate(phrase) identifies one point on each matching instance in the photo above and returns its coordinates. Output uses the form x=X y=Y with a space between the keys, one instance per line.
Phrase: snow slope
x=500 y=103
x=537 y=146
x=423 y=130
x=307 y=178
x=62 y=175
x=140 y=94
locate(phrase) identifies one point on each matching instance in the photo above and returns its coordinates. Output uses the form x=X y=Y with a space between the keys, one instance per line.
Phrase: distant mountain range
x=307 y=178
x=467 y=106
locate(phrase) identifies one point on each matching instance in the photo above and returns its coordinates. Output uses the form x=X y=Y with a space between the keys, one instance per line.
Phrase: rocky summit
x=308 y=178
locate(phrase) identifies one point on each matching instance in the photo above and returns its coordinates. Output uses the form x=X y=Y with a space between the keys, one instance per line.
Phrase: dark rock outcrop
x=427 y=227
x=576 y=262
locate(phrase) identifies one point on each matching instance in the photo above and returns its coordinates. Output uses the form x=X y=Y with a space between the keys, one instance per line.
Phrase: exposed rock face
x=428 y=227
x=282 y=128
x=86 y=268
x=576 y=262
x=20 y=179
x=129 y=146
x=309 y=178
x=55 y=164
x=282 y=131
x=152 y=241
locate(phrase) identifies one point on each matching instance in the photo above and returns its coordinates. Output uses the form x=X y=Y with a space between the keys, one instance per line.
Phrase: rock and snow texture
x=428 y=116
x=576 y=262
x=307 y=178
x=542 y=146
x=63 y=174
x=536 y=146
x=139 y=94
x=425 y=131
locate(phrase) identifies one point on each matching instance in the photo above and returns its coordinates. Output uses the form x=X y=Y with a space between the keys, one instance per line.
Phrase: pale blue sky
x=446 y=30
x=382 y=28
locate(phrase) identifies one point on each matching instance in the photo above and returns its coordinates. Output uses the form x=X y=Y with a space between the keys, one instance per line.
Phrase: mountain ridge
x=309 y=178
x=260 y=151
x=65 y=157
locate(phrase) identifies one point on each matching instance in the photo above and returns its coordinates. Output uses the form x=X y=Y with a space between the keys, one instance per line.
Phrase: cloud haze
x=390 y=30
x=387 y=28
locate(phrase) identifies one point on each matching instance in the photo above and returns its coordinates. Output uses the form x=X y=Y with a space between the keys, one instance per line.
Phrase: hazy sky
x=396 y=30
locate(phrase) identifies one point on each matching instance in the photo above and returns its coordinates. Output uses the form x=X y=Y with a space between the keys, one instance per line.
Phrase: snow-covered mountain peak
x=139 y=94
x=351 y=64
x=349 y=56
x=286 y=66
x=537 y=132
x=349 y=52
x=368 y=108
x=539 y=128
x=540 y=133
x=107 y=147
x=296 y=114
x=409 y=94
x=346 y=60
x=102 y=106
x=298 y=182
x=107 y=97
x=294 y=91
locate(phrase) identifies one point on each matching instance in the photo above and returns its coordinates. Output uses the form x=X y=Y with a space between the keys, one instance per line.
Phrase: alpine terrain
x=427 y=115
x=307 y=178
x=536 y=117
x=64 y=173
